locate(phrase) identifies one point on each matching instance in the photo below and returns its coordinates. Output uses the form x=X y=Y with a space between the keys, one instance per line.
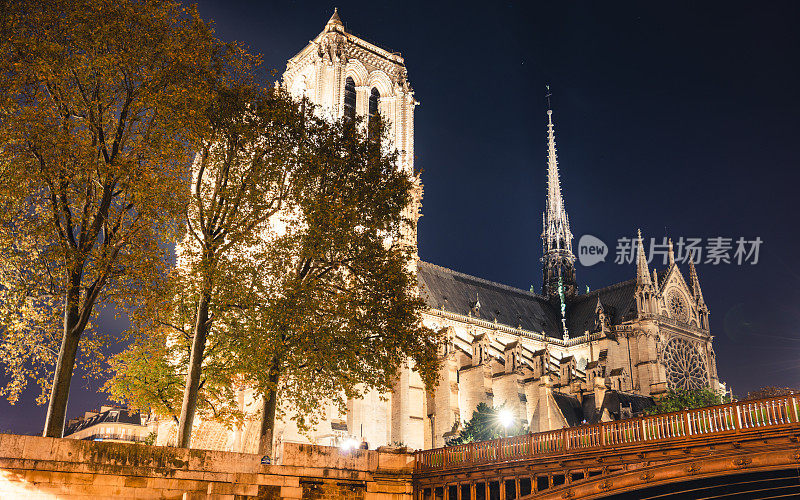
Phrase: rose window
x=677 y=307
x=685 y=365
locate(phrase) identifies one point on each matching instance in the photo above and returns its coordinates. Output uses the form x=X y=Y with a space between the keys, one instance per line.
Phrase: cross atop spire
x=547 y=96
x=557 y=256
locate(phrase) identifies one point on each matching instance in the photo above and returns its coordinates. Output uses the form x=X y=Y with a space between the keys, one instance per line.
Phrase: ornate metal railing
x=732 y=418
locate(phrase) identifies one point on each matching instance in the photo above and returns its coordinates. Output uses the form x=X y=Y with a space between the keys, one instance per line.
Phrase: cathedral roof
x=618 y=300
x=570 y=407
x=577 y=411
x=459 y=293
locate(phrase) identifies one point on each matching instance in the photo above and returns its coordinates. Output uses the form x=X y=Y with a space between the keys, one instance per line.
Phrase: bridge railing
x=738 y=417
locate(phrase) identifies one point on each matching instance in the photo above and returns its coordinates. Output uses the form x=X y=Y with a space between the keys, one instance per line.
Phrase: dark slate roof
x=615 y=400
x=576 y=412
x=570 y=407
x=590 y=413
x=662 y=276
x=119 y=415
x=619 y=304
x=442 y=288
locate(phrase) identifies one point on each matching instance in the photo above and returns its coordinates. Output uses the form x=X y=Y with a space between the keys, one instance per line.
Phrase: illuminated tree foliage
x=685 y=399
x=240 y=178
x=485 y=425
x=98 y=99
x=315 y=306
x=245 y=174
x=338 y=311
x=151 y=373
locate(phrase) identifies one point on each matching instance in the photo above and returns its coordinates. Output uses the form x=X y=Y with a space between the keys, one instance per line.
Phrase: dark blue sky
x=679 y=118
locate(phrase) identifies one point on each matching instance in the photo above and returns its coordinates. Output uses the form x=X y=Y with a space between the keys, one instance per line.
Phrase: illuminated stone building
x=555 y=358
x=118 y=425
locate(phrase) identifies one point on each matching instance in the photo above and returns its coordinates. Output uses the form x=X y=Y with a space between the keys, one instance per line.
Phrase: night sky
x=679 y=118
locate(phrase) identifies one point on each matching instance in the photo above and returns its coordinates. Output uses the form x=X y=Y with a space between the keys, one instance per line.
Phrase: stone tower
x=558 y=261
x=347 y=76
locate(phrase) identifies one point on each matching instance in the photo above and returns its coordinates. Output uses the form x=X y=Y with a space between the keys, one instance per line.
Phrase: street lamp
x=348 y=444
x=506 y=419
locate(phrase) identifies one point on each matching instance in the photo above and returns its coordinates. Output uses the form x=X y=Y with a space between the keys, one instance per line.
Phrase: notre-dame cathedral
x=556 y=358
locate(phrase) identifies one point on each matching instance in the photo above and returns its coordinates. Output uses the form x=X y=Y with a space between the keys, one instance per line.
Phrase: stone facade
x=555 y=358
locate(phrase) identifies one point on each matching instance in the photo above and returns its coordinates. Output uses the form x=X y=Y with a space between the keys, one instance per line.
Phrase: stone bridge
x=740 y=450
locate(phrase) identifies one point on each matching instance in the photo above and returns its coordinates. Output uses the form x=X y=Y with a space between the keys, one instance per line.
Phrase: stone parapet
x=49 y=468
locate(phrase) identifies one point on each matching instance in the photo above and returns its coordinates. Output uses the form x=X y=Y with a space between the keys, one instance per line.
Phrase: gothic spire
x=696 y=291
x=557 y=253
x=642 y=273
x=557 y=235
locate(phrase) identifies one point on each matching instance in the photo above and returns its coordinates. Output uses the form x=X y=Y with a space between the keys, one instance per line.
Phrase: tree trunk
x=59 y=394
x=270 y=399
x=189 y=405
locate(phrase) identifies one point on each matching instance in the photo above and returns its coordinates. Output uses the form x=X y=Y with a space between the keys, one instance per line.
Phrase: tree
x=770 y=392
x=98 y=99
x=244 y=175
x=318 y=305
x=338 y=311
x=683 y=399
x=150 y=374
x=486 y=424
x=240 y=178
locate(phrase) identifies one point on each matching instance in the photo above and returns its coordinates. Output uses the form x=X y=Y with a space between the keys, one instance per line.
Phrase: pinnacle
x=335 y=17
x=642 y=273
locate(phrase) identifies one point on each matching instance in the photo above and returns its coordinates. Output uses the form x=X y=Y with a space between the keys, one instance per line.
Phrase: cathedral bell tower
x=558 y=261
x=345 y=76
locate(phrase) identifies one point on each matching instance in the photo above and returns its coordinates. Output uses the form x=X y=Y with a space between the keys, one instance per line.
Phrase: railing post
x=738 y=421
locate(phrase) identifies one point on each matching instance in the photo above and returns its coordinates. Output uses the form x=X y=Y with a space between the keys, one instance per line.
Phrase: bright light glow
x=348 y=444
x=506 y=418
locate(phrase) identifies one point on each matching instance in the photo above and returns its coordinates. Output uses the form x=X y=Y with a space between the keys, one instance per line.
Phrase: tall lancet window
x=374 y=98
x=350 y=99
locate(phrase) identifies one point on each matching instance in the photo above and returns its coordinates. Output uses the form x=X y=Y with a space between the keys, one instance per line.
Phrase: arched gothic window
x=350 y=99
x=374 y=98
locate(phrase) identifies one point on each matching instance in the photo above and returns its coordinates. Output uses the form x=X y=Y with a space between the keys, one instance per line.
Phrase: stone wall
x=48 y=468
